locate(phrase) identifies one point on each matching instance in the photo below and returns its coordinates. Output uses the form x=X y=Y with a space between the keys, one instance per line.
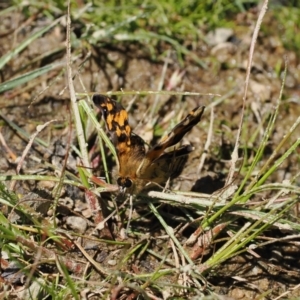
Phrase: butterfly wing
x=162 y=165
x=116 y=120
x=177 y=133
x=130 y=148
x=168 y=165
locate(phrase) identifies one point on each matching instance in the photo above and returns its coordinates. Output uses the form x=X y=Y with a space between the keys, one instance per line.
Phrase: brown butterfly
x=138 y=168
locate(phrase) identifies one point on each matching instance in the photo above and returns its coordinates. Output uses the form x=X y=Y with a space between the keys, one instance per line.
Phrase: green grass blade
x=8 y=85
x=7 y=57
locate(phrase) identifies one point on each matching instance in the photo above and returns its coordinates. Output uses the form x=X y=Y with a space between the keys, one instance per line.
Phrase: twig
x=234 y=155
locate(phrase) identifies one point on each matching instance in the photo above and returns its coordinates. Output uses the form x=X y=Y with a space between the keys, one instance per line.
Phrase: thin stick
x=75 y=110
x=234 y=155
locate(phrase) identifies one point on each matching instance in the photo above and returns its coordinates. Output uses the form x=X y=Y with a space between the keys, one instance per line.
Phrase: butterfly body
x=138 y=168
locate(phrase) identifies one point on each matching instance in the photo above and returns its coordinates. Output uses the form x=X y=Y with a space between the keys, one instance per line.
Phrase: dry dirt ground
x=130 y=66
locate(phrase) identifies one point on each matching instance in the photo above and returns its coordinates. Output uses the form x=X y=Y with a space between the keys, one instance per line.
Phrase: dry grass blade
x=74 y=104
x=234 y=156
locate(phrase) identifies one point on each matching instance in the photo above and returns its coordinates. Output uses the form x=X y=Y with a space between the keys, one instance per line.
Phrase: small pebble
x=77 y=224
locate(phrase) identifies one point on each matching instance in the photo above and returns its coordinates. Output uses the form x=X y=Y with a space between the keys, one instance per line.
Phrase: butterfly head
x=125 y=184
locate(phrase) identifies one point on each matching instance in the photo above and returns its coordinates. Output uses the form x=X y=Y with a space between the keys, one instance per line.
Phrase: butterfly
x=139 y=169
